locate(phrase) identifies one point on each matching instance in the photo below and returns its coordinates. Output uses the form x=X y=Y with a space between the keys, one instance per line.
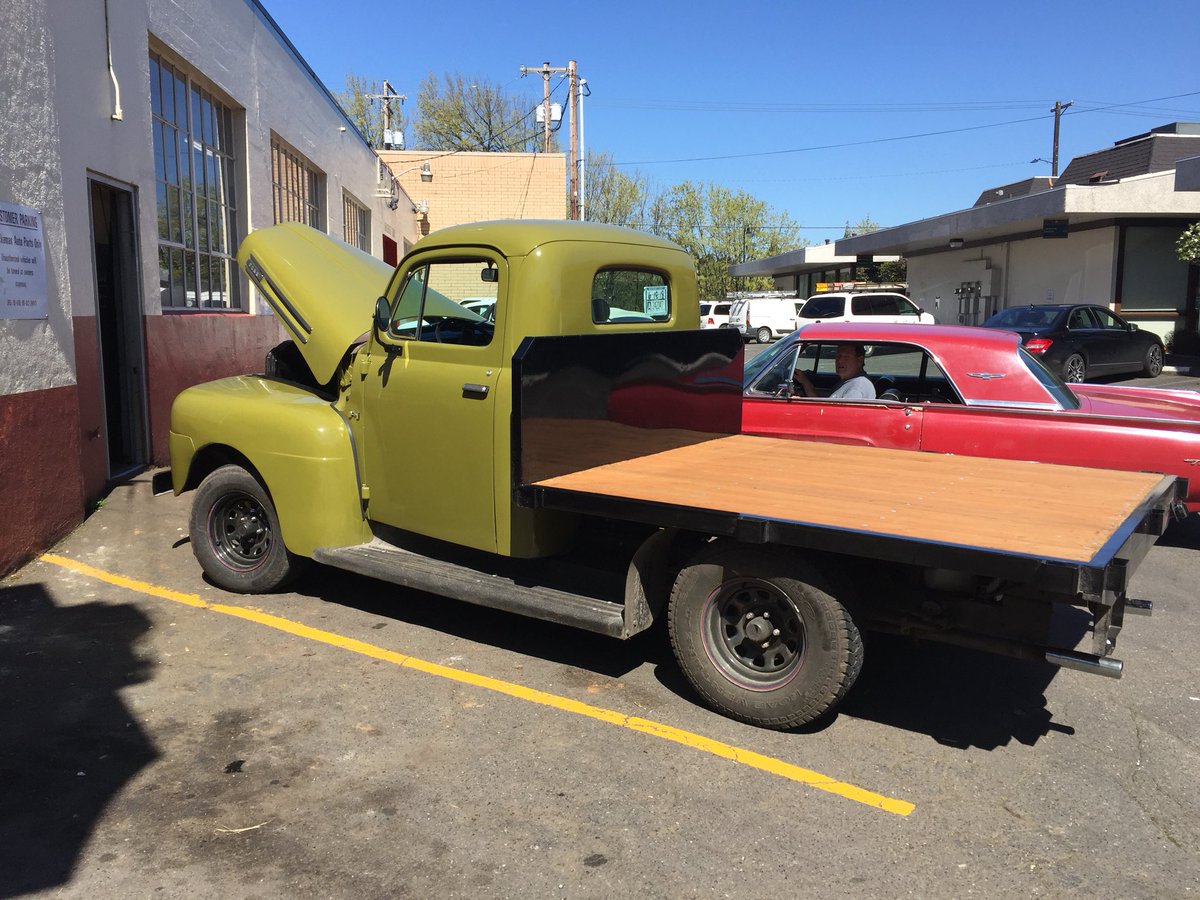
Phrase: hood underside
x=322 y=289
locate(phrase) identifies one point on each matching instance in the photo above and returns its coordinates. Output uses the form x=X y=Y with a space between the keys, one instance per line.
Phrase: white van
x=878 y=307
x=763 y=319
x=714 y=313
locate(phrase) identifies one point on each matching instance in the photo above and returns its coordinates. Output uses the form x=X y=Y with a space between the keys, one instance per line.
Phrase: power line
x=894 y=138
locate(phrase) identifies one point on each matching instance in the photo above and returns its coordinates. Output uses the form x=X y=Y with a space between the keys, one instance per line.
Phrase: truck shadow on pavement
x=514 y=633
x=68 y=743
x=1185 y=534
x=960 y=698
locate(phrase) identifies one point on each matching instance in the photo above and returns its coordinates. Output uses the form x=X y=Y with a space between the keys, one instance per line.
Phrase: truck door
x=429 y=400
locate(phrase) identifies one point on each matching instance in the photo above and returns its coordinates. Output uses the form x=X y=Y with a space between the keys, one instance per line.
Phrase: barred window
x=194 y=180
x=297 y=187
x=356 y=223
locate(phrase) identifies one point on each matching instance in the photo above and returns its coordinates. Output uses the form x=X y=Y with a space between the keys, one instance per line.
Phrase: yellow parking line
x=645 y=726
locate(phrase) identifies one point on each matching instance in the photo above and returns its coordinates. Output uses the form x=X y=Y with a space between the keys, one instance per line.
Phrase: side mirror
x=383 y=314
x=1132 y=326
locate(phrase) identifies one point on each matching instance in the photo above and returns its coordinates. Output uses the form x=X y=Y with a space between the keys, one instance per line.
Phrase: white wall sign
x=22 y=263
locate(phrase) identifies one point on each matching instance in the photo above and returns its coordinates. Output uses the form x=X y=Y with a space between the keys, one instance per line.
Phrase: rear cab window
x=624 y=295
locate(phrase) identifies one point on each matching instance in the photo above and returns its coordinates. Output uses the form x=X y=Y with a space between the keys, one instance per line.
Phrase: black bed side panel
x=586 y=400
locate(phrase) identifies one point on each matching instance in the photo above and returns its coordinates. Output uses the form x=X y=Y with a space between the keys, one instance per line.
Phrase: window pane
x=164 y=276
x=196 y=128
x=189 y=280
x=205 y=291
x=179 y=117
x=189 y=235
x=155 y=88
x=159 y=156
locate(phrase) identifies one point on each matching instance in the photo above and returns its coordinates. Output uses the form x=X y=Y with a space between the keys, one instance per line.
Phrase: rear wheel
x=764 y=335
x=761 y=636
x=1074 y=369
x=1153 y=363
x=235 y=534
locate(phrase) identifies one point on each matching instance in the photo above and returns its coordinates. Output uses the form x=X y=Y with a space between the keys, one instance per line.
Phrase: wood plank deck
x=1051 y=511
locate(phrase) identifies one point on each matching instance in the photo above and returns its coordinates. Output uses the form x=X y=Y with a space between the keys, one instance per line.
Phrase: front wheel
x=1074 y=369
x=235 y=534
x=761 y=636
x=1153 y=364
x=764 y=335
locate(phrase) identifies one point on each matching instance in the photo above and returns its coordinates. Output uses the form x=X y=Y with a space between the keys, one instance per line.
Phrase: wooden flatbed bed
x=661 y=450
x=1031 y=509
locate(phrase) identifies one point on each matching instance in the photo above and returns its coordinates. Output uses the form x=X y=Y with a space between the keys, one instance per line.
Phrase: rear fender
x=296 y=443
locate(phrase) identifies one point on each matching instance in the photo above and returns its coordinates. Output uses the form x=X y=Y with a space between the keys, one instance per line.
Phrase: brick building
x=477 y=187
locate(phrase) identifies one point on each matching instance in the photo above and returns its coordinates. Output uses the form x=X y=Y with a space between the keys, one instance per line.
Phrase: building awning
x=1145 y=196
x=806 y=259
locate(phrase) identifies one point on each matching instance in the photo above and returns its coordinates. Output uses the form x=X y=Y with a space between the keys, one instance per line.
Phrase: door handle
x=474 y=391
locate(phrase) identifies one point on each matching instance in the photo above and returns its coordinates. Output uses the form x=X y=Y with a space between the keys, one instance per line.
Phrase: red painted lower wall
x=41 y=496
x=182 y=350
x=53 y=461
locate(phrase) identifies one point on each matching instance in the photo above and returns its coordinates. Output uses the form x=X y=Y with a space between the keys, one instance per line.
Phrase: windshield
x=1050 y=380
x=822 y=308
x=1025 y=318
x=763 y=361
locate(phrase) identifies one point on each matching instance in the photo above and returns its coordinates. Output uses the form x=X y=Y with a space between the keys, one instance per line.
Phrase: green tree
x=1188 y=246
x=720 y=227
x=865 y=225
x=460 y=113
x=360 y=102
x=612 y=196
x=890 y=272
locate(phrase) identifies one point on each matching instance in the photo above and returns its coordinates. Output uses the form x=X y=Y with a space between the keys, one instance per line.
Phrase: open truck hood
x=322 y=289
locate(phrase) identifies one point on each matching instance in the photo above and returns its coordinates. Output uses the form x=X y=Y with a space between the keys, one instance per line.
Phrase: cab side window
x=448 y=302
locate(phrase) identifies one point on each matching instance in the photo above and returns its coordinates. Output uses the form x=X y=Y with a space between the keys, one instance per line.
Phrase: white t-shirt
x=857 y=388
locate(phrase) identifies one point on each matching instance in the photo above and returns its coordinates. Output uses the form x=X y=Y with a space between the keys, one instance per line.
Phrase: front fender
x=297 y=444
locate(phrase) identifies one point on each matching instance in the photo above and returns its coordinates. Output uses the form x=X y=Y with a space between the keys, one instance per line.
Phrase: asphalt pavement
x=160 y=737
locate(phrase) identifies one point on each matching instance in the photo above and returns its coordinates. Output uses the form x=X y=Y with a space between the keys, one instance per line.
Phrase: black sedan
x=1081 y=341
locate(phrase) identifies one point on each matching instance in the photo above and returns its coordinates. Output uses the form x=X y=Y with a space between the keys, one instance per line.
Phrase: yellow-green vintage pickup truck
x=526 y=415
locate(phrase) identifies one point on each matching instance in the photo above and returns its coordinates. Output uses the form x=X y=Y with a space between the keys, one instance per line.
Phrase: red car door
x=869 y=423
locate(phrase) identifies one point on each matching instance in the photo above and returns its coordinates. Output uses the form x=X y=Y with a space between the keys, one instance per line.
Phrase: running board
x=379 y=559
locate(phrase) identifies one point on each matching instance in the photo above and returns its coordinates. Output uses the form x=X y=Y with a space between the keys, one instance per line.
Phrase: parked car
x=971 y=391
x=763 y=319
x=1082 y=340
x=714 y=313
x=856 y=306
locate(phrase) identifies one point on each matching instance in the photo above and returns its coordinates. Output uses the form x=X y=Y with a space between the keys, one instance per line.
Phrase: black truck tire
x=235 y=534
x=760 y=635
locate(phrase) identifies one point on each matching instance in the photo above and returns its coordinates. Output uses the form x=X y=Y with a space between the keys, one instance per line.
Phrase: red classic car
x=974 y=391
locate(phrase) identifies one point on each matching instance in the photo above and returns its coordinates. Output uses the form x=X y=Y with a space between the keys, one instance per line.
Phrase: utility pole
x=389 y=94
x=573 y=159
x=1059 y=109
x=572 y=73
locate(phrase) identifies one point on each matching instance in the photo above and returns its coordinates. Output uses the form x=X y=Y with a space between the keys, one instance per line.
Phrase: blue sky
x=814 y=108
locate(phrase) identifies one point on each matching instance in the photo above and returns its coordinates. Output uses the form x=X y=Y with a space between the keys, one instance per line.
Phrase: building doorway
x=119 y=326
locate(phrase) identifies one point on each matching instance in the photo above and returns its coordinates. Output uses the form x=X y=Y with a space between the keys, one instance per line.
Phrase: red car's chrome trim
x=1010 y=404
